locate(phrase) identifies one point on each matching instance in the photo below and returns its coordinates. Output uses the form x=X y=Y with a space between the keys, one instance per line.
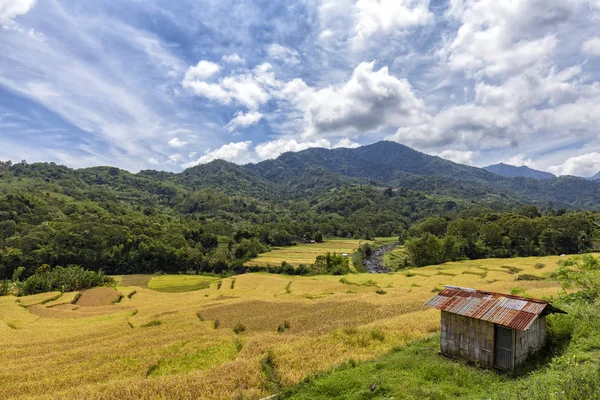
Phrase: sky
x=166 y=85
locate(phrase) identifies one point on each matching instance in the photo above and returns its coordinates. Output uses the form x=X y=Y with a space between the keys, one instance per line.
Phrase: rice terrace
x=244 y=336
x=304 y=200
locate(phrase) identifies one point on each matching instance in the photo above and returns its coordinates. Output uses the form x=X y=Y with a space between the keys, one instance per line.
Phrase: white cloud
x=177 y=143
x=458 y=156
x=583 y=165
x=275 y=148
x=468 y=124
x=591 y=46
x=356 y=22
x=9 y=9
x=248 y=88
x=234 y=152
x=203 y=70
x=287 y=55
x=521 y=160
x=233 y=59
x=375 y=16
x=244 y=120
x=500 y=37
x=368 y=101
x=345 y=143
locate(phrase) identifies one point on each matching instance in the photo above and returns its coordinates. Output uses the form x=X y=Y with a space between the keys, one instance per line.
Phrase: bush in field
x=334 y=264
x=64 y=279
x=4 y=288
x=319 y=237
x=579 y=272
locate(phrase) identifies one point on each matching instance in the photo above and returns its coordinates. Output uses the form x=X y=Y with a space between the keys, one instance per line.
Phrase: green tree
x=319 y=237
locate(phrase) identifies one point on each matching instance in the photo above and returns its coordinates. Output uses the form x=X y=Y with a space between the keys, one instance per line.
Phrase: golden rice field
x=306 y=253
x=153 y=344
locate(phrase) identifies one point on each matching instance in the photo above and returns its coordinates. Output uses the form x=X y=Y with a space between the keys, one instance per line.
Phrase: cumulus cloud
x=203 y=70
x=345 y=143
x=177 y=143
x=583 y=165
x=356 y=22
x=521 y=160
x=368 y=101
x=459 y=156
x=464 y=124
x=375 y=16
x=233 y=59
x=244 y=120
x=500 y=37
x=234 y=152
x=591 y=46
x=9 y=9
x=285 y=54
x=248 y=88
x=275 y=148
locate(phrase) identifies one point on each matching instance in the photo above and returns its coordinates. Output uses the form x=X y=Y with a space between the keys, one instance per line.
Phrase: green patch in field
x=180 y=283
x=203 y=359
x=136 y=280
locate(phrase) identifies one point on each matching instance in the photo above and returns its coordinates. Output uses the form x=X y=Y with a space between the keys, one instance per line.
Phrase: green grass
x=395 y=258
x=180 y=283
x=567 y=368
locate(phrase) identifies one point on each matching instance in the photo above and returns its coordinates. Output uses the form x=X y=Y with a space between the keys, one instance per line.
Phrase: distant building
x=492 y=329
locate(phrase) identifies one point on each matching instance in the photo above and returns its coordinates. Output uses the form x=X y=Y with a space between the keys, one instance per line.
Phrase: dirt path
x=375 y=263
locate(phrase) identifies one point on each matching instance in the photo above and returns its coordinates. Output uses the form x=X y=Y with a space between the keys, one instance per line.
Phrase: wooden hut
x=492 y=329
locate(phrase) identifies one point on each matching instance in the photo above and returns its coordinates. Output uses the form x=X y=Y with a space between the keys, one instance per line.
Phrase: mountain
x=512 y=171
x=388 y=163
x=595 y=177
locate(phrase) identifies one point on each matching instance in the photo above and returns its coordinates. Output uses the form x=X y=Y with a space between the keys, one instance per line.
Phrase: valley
x=244 y=336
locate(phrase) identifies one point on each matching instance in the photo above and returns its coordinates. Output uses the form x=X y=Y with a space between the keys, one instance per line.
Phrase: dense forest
x=214 y=217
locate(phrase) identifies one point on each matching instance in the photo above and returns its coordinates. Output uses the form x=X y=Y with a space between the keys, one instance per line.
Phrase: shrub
x=376 y=334
x=154 y=322
x=239 y=328
x=539 y=266
x=118 y=299
x=64 y=279
x=283 y=327
x=4 y=288
x=216 y=324
x=130 y=295
x=380 y=291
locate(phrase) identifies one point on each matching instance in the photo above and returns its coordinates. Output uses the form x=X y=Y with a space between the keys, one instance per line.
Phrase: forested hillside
x=214 y=217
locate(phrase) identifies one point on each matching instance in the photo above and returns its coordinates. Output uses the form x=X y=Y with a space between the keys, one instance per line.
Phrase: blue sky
x=169 y=84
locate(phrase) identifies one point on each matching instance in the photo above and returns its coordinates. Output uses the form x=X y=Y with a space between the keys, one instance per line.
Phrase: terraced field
x=306 y=253
x=240 y=337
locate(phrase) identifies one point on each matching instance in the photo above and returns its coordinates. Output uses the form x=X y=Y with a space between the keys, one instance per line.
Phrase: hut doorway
x=503 y=347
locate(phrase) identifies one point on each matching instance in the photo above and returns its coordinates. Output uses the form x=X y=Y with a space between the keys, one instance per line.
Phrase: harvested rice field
x=245 y=336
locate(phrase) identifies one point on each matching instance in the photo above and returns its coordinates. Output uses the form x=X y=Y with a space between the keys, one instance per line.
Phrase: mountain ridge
x=512 y=171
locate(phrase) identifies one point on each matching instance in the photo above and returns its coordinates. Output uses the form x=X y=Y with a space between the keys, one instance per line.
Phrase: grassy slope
x=330 y=323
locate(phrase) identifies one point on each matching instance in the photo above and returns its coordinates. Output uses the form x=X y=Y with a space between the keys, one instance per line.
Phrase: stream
x=375 y=263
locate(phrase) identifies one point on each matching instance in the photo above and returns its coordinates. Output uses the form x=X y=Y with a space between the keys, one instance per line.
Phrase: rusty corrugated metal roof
x=503 y=309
